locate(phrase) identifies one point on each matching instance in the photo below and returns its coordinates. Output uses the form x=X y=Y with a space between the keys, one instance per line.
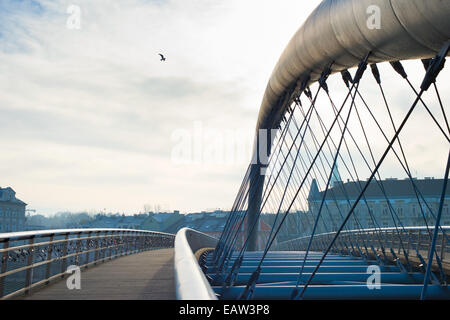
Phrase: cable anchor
x=435 y=67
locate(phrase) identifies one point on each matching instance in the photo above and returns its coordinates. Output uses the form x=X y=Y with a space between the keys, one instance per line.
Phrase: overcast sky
x=90 y=119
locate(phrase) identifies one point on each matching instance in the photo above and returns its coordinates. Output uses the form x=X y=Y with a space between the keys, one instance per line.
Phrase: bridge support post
x=254 y=205
x=260 y=160
x=49 y=258
x=29 y=272
x=3 y=269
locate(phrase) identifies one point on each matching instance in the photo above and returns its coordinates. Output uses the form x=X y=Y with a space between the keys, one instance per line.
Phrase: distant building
x=12 y=211
x=403 y=204
x=164 y=222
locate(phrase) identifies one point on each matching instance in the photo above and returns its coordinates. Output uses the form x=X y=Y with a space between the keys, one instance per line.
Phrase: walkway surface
x=144 y=276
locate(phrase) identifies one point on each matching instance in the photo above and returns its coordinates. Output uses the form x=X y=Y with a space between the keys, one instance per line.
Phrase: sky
x=91 y=119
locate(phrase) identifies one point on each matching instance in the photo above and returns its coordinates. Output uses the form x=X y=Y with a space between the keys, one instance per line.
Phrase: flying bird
x=162 y=57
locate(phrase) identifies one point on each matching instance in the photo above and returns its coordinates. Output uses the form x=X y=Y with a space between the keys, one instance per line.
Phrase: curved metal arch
x=337 y=32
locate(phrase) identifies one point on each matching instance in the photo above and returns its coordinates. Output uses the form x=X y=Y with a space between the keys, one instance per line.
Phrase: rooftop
x=8 y=195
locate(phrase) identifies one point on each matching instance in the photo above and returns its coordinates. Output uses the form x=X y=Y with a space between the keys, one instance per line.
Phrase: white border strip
x=12 y=236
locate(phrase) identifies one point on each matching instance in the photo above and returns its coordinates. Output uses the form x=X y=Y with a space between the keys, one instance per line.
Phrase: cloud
x=88 y=116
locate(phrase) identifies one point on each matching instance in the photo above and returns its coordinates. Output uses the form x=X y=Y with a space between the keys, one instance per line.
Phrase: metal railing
x=190 y=281
x=34 y=258
x=415 y=241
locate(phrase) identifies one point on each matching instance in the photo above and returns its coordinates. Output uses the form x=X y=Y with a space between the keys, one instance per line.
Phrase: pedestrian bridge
x=113 y=264
x=146 y=275
x=336 y=140
x=355 y=99
x=136 y=265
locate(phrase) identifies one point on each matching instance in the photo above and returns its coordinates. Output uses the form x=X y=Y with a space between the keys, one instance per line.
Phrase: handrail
x=372 y=230
x=45 y=233
x=412 y=239
x=190 y=281
x=33 y=258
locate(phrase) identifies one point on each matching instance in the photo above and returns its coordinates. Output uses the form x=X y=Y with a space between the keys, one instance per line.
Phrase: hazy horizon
x=90 y=116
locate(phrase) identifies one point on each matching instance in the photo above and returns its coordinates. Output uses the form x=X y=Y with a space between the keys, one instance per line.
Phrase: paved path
x=148 y=275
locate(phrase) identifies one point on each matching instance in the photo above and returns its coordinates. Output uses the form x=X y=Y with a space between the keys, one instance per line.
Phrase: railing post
x=122 y=242
x=125 y=242
x=136 y=241
x=409 y=242
x=78 y=247
x=49 y=258
x=129 y=245
x=104 y=247
x=111 y=244
x=443 y=247
x=373 y=239
x=428 y=249
x=96 y=247
x=116 y=244
x=88 y=241
x=392 y=239
x=29 y=272
x=418 y=240
x=64 y=254
x=148 y=242
x=4 y=265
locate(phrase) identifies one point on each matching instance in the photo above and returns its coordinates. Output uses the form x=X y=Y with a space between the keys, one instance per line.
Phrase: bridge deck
x=147 y=275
